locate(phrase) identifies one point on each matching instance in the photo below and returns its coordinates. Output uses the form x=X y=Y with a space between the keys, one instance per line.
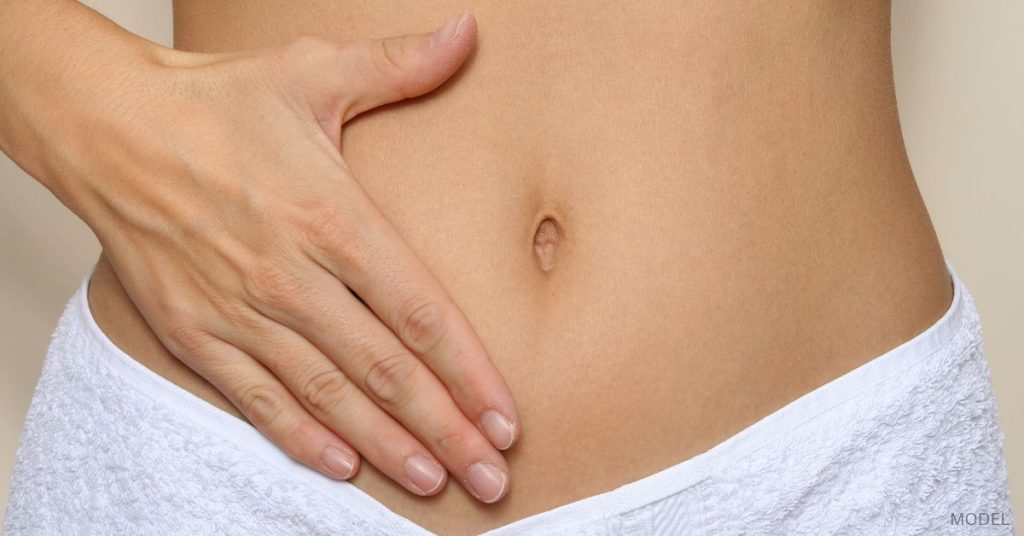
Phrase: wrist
x=54 y=93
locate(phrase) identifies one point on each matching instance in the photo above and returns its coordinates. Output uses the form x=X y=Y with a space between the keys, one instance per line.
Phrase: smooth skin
x=216 y=186
x=737 y=220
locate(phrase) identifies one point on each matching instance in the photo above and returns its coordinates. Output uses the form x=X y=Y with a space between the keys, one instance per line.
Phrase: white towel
x=908 y=443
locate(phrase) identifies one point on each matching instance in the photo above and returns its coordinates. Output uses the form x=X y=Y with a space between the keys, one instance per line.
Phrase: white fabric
x=897 y=446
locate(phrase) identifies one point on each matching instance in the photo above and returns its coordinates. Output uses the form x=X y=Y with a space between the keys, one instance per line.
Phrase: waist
x=917 y=374
x=568 y=183
x=158 y=437
x=703 y=331
x=710 y=228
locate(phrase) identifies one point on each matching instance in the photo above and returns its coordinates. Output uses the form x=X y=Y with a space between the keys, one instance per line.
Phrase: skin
x=259 y=261
x=733 y=220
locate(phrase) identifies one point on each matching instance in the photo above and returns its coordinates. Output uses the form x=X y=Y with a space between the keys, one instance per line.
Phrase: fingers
x=381 y=71
x=381 y=269
x=326 y=393
x=273 y=410
x=342 y=80
x=377 y=372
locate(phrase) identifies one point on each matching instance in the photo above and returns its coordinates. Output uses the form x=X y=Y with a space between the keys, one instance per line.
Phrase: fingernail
x=425 y=473
x=498 y=429
x=444 y=33
x=338 y=462
x=488 y=482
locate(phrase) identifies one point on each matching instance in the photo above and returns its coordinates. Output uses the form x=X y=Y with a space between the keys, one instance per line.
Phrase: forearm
x=61 y=64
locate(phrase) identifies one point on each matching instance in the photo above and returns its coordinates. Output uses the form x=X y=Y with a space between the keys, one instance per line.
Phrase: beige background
x=960 y=83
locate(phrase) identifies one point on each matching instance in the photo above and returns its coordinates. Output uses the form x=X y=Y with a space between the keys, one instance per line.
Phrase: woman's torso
x=737 y=220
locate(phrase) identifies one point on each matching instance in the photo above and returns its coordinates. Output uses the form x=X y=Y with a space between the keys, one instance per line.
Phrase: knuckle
x=460 y=440
x=185 y=338
x=390 y=380
x=268 y=283
x=336 y=232
x=242 y=317
x=386 y=57
x=326 y=390
x=421 y=325
x=386 y=62
x=262 y=405
x=327 y=225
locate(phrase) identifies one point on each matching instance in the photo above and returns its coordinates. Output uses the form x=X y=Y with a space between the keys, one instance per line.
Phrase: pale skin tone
x=732 y=219
x=295 y=297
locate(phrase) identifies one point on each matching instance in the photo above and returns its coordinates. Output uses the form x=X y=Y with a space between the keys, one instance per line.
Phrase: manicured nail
x=444 y=33
x=488 y=482
x=338 y=462
x=498 y=429
x=425 y=473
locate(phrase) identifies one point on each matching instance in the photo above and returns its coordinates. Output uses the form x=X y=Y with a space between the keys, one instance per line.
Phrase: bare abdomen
x=663 y=223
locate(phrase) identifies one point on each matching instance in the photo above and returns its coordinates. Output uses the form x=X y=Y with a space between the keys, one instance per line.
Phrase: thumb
x=374 y=72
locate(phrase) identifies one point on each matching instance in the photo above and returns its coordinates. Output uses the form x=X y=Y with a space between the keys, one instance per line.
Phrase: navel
x=545 y=243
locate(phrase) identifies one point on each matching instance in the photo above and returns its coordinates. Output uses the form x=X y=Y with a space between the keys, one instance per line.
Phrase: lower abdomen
x=722 y=237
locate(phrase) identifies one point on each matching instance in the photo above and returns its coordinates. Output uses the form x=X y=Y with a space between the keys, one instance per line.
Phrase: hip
x=863 y=442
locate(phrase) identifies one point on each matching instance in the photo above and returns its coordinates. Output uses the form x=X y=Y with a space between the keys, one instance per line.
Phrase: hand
x=216 y=186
